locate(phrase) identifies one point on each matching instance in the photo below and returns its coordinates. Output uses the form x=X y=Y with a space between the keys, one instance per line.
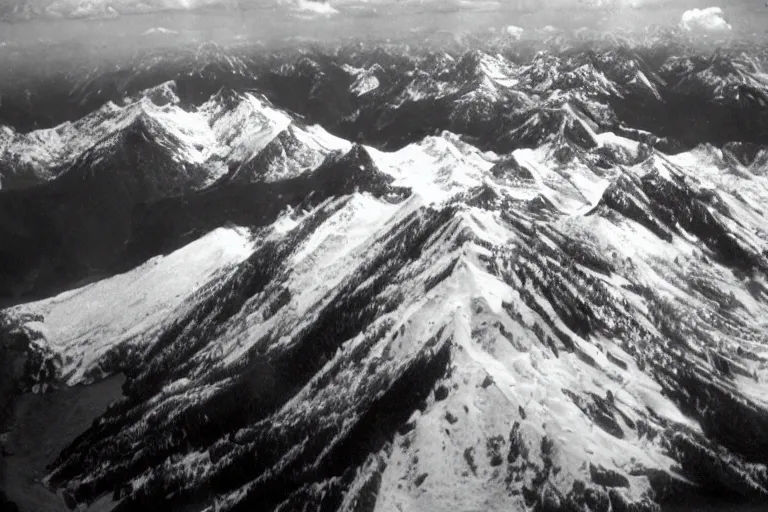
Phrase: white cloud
x=316 y=7
x=160 y=31
x=515 y=32
x=81 y=9
x=705 y=20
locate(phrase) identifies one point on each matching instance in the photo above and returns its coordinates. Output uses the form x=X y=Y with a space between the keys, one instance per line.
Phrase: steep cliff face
x=489 y=285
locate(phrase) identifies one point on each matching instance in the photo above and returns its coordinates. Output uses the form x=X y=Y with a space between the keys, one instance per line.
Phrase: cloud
x=91 y=9
x=315 y=7
x=514 y=32
x=160 y=31
x=705 y=20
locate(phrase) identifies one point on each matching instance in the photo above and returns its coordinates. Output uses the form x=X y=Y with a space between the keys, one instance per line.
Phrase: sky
x=165 y=21
x=103 y=9
x=106 y=8
x=45 y=45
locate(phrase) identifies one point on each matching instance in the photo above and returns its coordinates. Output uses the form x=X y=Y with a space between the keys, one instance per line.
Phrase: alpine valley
x=486 y=273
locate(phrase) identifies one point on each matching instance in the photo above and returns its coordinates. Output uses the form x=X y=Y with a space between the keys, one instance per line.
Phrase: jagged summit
x=146 y=153
x=287 y=155
x=225 y=100
x=367 y=80
x=297 y=149
x=161 y=95
x=353 y=170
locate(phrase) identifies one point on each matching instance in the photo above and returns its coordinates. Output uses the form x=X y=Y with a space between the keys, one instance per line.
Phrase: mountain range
x=479 y=274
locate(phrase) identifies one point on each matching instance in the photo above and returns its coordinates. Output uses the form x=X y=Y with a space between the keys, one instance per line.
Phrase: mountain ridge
x=392 y=300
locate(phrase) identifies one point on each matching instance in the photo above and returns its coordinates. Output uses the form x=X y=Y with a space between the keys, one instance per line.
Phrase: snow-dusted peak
x=366 y=80
x=292 y=152
x=587 y=79
x=48 y=152
x=162 y=94
x=498 y=69
x=437 y=63
x=423 y=86
x=229 y=126
x=721 y=76
x=172 y=126
x=437 y=168
x=242 y=124
x=542 y=72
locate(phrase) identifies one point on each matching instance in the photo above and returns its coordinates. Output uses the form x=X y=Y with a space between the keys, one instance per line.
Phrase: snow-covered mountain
x=513 y=277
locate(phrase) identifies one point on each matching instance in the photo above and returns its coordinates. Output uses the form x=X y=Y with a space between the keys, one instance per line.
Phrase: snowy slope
x=229 y=128
x=542 y=393
x=485 y=283
x=83 y=325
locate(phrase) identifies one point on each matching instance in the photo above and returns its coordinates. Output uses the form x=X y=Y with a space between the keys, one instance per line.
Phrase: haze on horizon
x=19 y=10
x=44 y=42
